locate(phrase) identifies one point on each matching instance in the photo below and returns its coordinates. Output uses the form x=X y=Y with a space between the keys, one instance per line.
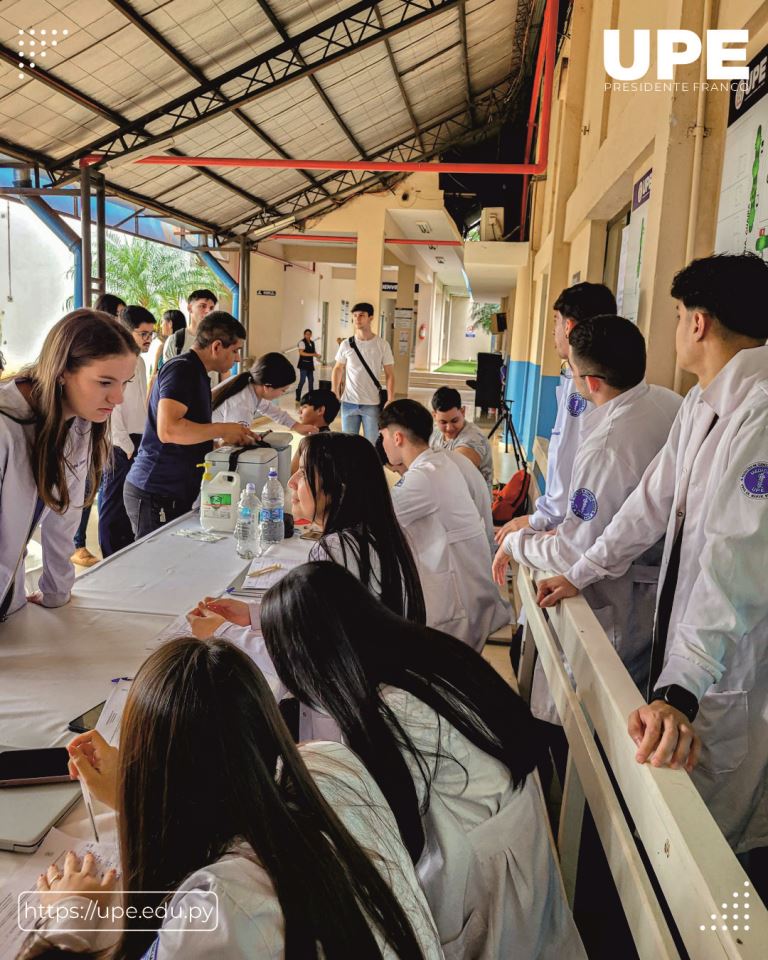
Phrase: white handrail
x=692 y=862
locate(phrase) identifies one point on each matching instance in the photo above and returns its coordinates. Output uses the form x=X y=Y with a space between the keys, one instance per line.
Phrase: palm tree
x=155 y=276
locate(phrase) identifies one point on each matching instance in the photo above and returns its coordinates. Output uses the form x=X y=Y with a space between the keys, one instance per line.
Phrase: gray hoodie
x=18 y=498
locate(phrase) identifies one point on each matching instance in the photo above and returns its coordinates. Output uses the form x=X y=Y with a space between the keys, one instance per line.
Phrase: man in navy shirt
x=164 y=480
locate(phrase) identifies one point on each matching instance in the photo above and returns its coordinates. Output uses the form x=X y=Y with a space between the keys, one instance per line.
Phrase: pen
x=269 y=569
x=89 y=806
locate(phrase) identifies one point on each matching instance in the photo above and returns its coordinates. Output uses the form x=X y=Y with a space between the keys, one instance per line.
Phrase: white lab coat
x=314 y=724
x=18 y=498
x=245 y=407
x=717 y=642
x=250 y=919
x=622 y=438
x=487 y=868
x=478 y=491
x=450 y=548
x=567 y=434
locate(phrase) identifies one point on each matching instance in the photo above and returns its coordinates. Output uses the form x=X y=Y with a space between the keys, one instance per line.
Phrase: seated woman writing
x=297 y=848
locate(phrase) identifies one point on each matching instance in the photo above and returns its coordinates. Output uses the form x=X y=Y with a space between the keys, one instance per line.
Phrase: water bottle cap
x=250 y=487
x=273 y=473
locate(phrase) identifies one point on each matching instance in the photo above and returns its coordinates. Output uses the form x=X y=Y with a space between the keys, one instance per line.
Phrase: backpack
x=178 y=340
x=511 y=500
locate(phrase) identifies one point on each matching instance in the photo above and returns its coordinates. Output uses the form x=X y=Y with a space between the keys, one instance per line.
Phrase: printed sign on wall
x=742 y=219
x=641 y=193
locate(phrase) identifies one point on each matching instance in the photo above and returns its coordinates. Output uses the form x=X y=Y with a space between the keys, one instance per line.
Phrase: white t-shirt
x=358 y=385
x=169 y=351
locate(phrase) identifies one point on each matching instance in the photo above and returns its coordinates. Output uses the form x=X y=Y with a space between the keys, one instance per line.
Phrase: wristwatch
x=679 y=698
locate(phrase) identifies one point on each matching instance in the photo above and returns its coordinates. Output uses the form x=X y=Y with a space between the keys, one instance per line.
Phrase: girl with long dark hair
x=450 y=745
x=213 y=798
x=54 y=437
x=340 y=486
x=249 y=395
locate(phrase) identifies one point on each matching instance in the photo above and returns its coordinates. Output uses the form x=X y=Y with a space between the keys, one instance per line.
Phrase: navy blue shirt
x=170 y=469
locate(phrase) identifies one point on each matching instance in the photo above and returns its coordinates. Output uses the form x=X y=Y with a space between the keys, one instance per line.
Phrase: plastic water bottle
x=246 y=532
x=272 y=511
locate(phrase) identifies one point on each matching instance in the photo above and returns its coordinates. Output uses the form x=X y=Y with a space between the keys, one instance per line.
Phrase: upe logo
x=674 y=47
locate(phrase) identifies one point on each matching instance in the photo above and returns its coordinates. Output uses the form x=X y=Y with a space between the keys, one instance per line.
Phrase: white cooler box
x=253 y=465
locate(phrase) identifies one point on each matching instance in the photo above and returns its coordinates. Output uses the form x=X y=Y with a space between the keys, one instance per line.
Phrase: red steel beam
x=545 y=67
x=328 y=238
x=386 y=166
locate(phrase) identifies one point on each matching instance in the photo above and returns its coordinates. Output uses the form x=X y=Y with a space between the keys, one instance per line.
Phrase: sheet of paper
x=266 y=580
x=178 y=628
x=109 y=721
x=52 y=850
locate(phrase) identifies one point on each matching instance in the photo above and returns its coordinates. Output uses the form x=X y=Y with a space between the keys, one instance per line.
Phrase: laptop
x=28 y=813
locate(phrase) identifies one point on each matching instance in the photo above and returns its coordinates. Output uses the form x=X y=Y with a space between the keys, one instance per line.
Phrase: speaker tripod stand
x=505 y=419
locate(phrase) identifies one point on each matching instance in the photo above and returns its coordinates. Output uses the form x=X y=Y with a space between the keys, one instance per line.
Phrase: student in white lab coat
x=54 y=433
x=451 y=747
x=340 y=486
x=708 y=491
x=446 y=533
x=575 y=304
x=476 y=485
x=628 y=423
x=215 y=803
x=249 y=395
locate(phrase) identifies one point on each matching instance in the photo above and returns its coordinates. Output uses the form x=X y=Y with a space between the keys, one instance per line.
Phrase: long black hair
x=345 y=476
x=334 y=646
x=200 y=706
x=269 y=370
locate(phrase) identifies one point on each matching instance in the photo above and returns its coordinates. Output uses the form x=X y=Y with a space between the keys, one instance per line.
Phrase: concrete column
x=402 y=341
x=424 y=318
x=370 y=260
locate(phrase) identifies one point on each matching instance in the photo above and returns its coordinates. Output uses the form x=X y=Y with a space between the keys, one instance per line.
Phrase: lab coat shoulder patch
x=576 y=404
x=584 y=504
x=754 y=481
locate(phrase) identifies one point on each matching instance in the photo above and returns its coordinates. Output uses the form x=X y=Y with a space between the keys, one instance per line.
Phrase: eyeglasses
x=146 y=336
x=596 y=376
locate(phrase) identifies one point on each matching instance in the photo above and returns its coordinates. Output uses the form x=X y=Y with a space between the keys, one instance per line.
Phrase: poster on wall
x=344 y=312
x=742 y=219
x=635 y=241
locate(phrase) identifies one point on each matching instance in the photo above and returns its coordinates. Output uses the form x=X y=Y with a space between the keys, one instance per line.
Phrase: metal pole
x=245 y=286
x=85 y=231
x=101 y=252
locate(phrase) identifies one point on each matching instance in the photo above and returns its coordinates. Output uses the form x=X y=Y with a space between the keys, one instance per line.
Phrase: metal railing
x=716 y=911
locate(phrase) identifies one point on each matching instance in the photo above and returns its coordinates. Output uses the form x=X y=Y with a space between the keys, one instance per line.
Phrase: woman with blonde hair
x=54 y=436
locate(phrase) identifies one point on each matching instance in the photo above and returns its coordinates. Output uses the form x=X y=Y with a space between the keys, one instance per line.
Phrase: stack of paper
x=18 y=892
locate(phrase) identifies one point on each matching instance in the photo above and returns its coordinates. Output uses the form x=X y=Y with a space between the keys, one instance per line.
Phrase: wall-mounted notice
x=641 y=193
x=742 y=220
x=403 y=317
x=345 y=312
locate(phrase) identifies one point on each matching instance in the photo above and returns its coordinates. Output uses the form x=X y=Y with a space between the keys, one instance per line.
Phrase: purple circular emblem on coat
x=584 y=504
x=576 y=404
x=754 y=481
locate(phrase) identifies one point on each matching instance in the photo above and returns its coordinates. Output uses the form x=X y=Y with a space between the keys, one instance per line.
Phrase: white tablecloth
x=162 y=573
x=55 y=664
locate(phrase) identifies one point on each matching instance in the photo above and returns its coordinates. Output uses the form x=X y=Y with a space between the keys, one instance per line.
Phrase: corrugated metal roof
x=353 y=104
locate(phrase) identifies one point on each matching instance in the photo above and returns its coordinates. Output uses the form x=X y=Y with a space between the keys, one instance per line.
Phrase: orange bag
x=512 y=499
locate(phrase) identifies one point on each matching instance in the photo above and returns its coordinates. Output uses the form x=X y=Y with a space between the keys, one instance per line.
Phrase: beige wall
x=600 y=142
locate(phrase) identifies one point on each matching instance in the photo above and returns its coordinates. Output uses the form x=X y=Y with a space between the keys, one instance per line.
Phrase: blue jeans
x=309 y=376
x=353 y=414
